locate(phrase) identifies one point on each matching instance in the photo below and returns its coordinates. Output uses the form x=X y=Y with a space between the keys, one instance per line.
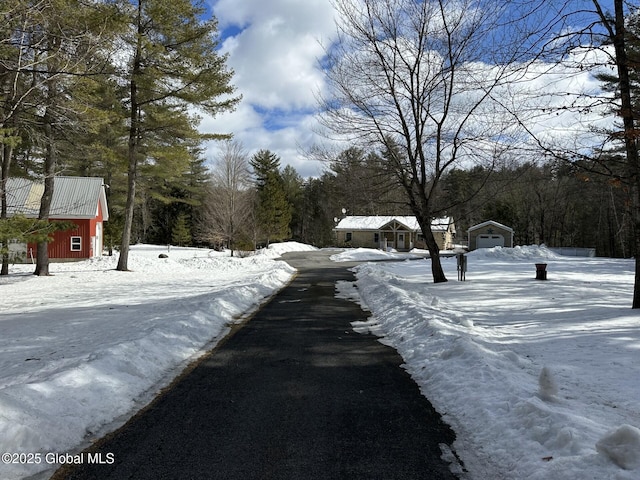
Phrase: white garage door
x=488 y=241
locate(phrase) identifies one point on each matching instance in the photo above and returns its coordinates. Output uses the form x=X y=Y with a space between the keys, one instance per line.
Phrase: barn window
x=376 y=237
x=76 y=244
x=348 y=236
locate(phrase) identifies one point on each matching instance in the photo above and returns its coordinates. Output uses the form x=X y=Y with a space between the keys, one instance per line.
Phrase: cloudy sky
x=274 y=47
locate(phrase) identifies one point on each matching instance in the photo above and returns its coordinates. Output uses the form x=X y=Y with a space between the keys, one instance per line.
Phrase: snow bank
x=529 y=252
x=90 y=345
x=531 y=375
x=276 y=250
x=369 y=254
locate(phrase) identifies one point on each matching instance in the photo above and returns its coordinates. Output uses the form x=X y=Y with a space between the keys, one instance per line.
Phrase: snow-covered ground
x=539 y=379
x=83 y=349
x=533 y=376
x=368 y=254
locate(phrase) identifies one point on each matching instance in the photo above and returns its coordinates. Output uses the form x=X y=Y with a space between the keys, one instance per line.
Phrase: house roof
x=73 y=197
x=378 y=222
x=491 y=222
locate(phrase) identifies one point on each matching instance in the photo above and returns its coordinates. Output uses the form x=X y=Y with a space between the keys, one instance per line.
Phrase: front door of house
x=400 y=245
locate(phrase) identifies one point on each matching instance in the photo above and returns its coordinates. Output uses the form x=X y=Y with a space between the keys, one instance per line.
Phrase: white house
x=397 y=232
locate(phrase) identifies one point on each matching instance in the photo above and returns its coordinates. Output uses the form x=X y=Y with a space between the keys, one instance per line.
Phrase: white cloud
x=274 y=48
x=288 y=142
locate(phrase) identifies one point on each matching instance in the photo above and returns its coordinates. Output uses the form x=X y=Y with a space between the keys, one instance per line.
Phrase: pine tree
x=167 y=184
x=318 y=212
x=294 y=192
x=264 y=163
x=273 y=211
x=174 y=64
x=180 y=234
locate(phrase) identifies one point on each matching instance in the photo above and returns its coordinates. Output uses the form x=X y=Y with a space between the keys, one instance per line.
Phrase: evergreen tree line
x=550 y=202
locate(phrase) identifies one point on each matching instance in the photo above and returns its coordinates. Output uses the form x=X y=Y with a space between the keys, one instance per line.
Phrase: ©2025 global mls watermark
x=55 y=458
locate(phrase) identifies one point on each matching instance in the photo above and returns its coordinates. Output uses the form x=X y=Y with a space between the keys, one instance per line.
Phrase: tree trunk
x=134 y=140
x=7 y=152
x=132 y=175
x=123 y=260
x=630 y=135
x=434 y=250
x=42 y=257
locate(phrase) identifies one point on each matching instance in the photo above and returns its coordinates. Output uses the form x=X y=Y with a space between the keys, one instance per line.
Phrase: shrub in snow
x=547 y=385
x=622 y=446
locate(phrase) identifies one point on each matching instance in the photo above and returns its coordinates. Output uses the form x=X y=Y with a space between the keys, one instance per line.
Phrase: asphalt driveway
x=293 y=394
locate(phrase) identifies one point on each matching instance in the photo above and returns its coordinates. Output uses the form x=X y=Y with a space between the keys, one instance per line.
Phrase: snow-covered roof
x=378 y=222
x=73 y=197
x=491 y=222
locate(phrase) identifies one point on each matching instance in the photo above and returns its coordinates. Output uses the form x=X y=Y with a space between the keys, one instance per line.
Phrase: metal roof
x=73 y=197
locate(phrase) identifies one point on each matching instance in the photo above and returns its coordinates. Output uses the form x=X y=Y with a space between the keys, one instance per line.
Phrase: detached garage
x=490 y=234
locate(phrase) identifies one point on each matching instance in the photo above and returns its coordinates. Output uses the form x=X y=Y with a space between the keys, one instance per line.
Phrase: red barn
x=81 y=200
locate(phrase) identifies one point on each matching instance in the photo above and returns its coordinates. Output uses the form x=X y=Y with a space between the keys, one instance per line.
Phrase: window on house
x=76 y=244
x=348 y=236
x=376 y=238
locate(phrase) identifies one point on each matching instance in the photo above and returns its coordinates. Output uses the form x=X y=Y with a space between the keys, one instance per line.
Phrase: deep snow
x=539 y=379
x=82 y=350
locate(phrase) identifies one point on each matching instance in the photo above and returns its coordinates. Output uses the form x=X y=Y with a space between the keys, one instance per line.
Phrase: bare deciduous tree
x=618 y=35
x=228 y=209
x=598 y=40
x=416 y=78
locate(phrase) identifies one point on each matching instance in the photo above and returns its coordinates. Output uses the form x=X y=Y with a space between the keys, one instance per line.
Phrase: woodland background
x=71 y=99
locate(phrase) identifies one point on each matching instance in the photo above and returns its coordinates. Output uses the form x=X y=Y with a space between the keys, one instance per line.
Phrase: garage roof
x=491 y=222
